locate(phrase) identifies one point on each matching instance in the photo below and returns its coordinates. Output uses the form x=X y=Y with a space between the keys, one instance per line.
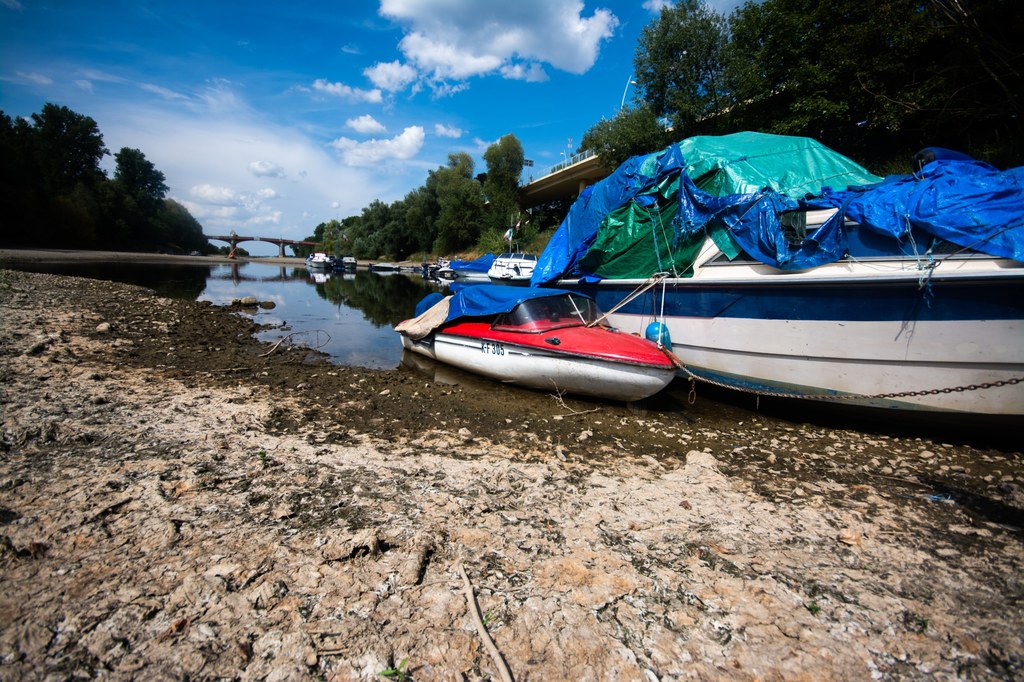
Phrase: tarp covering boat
x=481 y=264
x=744 y=191
x=482 y=300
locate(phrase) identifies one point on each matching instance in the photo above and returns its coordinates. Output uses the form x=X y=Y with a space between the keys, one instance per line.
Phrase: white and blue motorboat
x=318 y=260
x=467 y=271
x=904 y=293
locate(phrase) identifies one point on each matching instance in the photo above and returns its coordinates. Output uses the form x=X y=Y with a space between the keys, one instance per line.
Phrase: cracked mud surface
x=176 y=503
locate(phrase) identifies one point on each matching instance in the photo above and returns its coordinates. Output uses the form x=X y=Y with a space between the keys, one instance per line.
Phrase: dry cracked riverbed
x=179 y=502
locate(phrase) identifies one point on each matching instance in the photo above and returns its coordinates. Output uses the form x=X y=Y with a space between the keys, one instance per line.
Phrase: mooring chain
x=853 y=396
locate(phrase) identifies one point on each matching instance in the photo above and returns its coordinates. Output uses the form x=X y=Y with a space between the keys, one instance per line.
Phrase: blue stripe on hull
x=941 y=300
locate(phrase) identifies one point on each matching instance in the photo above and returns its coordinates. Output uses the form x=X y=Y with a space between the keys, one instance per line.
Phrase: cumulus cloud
x=390 y=76
x=403 y=146
x=442 y=130
x=365 y=124
x=267 y=193
x=347 y=92
x=532 y=73
x=211 y=194
x=266 y=169
x=459 y=39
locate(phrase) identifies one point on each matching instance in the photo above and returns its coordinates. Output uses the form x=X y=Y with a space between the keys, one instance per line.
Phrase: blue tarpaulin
x=481 y=264
x=485 y=300
x=968 y=203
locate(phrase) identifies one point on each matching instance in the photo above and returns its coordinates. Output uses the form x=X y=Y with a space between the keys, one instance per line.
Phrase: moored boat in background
x=319 y=261
x=466 y=271
x=512 y=268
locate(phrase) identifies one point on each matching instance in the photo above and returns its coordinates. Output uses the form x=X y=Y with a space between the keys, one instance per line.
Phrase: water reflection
x=171 y=280
x=349 y=316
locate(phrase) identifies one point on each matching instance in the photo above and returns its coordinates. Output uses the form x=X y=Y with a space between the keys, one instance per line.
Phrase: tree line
x=876 y=81
x=454 y=210
x=54 y=194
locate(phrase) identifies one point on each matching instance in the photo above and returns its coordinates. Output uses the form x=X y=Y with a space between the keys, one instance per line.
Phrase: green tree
x=138 y=175
x=461 y=201
x=180 y=228
x=69 y=148
x=629 y=133
x=504 y=161
x=422 y=210
x=880 y=80
x=680 y=67
x=374 y=220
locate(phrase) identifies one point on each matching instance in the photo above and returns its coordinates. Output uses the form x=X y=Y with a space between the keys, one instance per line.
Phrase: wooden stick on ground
x=474 y=610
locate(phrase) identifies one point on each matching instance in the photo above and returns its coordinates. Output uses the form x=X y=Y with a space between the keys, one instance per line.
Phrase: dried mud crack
x=176 y=503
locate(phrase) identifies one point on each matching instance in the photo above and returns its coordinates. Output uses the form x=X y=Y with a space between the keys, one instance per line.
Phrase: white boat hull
x=538 y=369
x=851 y=333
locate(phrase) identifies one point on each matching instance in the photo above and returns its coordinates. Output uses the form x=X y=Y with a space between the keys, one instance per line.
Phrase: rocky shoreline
x=180 y=501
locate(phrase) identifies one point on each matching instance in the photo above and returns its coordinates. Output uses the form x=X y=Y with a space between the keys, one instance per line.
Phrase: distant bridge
x=563 y=181
x=235 y=239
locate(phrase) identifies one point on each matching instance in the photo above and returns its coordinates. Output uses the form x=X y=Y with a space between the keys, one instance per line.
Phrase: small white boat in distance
x=319 y=261
x=540 y=338
x=512 y=268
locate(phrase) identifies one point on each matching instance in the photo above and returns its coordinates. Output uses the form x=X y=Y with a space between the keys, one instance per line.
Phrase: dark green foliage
x=461 y=200
x=504 y=161
x=54 y=194
x=874 y=80
x=680 y=66
x=629 y=133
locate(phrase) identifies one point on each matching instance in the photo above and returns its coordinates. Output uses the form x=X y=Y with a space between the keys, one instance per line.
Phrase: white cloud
x=533 y=73
x=33 y=77
x=655 y=6
x=444 y=60
x=404 y=146
x=365 y=124
x=347 y=92
x=162 y=92
x=390 y=76
x=442 y=130
x=96 y=75
x=266 y=169
x=459 y=39
x=213 y=195
x=83 y=84
x=12 y=4
x=219 y=98
x=267 y=193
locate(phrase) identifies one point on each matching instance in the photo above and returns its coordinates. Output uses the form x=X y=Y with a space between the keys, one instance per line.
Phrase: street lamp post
x=629 y=81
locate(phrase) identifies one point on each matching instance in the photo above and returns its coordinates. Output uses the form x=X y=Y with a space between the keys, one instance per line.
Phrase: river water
x=349 y=316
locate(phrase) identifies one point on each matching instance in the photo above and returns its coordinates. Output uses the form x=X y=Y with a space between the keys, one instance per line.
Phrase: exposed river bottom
x=178 y=500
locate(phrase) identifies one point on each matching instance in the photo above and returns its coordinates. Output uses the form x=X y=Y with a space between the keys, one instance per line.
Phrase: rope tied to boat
x=644 y=287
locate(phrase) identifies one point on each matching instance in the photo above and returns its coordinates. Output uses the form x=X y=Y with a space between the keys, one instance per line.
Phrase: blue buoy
x=658 y=333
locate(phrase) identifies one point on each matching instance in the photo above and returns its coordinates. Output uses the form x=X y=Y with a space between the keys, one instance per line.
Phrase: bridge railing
x=574 y=159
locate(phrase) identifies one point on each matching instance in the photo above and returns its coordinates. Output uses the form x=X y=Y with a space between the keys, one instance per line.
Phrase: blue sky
x=269 y=118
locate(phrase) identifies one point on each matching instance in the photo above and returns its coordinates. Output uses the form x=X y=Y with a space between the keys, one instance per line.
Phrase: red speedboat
x=549 y=339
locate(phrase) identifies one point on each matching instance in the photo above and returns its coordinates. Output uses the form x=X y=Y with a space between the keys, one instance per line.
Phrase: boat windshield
x=550 y=312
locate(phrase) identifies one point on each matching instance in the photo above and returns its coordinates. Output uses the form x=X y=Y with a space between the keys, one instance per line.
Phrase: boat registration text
x=492 y=348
